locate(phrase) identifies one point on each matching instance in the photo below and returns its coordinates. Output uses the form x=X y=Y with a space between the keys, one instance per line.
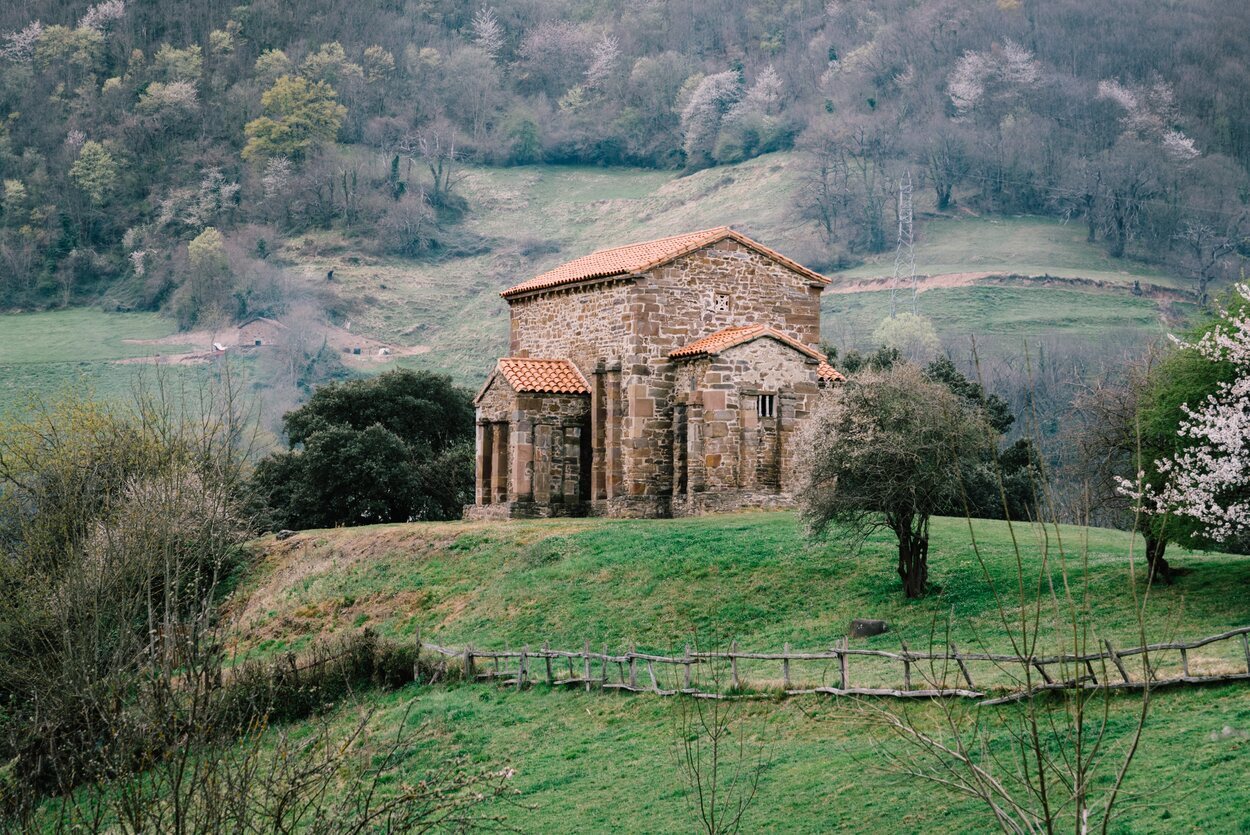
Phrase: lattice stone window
x=720 y=303
x=766 y=405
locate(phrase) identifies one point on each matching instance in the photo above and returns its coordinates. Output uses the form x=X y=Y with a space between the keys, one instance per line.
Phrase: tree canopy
x=391 y=448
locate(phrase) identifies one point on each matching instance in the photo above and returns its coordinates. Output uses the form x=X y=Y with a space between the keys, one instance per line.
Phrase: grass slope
x=44 y=354
x=1021 y=245
x=605 y=762
x=538 y=216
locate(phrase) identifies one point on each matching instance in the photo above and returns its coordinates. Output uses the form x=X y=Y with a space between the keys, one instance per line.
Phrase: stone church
x=664 y=378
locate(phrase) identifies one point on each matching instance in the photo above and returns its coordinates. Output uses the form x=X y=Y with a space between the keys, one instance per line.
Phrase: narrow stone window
x=766 y=405
x=720 y=303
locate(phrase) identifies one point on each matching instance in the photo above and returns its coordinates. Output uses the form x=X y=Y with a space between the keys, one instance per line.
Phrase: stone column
x=542 y=463
x=612 y=439
x=598 y=418
x=520 y=452
x=572 y=463
x=696 y=478
x=482 y=481
x=499 y=462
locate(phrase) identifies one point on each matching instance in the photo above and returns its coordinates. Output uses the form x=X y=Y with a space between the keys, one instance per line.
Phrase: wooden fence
x=941 y=674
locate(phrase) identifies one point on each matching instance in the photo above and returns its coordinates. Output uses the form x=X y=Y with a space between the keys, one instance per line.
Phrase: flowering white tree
x=1208 y=479
x=103 y=15
x=19 y=46
x=488 y=34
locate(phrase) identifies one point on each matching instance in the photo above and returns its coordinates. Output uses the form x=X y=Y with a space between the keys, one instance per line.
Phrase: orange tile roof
x=558 y=376
x=828 y=373
x=714 y=343
x=640 y=257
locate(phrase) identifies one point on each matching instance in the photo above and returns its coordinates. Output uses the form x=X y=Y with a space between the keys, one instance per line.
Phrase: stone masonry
x=655 y=379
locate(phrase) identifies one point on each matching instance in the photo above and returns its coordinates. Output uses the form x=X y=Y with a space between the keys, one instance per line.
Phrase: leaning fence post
x=906 y=666
x=688 y=665
x=843 y=674
x=962 y=667
x=603 y=670
x=1115 y=659
x=1185 y=662
x=1245 y=645
x=547 y=658
x=633 y=668
x=468 y=662
x=585 y=663
x=733 y=665
x=785 y=666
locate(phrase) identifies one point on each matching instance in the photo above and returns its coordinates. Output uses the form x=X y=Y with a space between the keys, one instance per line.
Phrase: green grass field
x=603 y=762
x=958 y=312
x=1020 y=245
x=52 y=353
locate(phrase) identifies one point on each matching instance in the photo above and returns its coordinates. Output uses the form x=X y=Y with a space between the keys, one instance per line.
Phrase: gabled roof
x=640 y=257
x=545 y=376
x=722 y=340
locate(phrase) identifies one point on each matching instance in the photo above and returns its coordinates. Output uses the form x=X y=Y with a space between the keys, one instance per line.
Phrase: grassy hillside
x=599 y=762
x=1013 y=244
x=43 y=354
x=535 y=217
x=753 y=577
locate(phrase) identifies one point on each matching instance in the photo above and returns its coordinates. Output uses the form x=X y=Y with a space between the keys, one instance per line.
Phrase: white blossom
x=276 y=177
x=19 y=46
x=487 y=32
x=138 y=261
x=1178 y=146
x=966 y=83
x=103 y=15
x=603 y=66
x=1208 y=480
x=75 y=139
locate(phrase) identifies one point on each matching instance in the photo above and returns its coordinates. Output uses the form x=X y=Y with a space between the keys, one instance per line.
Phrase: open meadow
x=590 y=761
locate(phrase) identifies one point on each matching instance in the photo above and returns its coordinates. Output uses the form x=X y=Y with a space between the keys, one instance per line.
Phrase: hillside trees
x=1198 y=404
x=392 y=448
x=889 y=449
x=299 y=115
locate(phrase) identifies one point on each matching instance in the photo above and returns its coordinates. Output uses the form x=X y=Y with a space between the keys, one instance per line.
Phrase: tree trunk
x=1158 y=567
x=913 y=560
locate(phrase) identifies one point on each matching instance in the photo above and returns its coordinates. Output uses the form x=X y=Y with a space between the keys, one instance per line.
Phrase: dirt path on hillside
x=341 y=340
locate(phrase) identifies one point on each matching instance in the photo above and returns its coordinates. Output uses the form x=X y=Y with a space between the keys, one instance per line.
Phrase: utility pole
x=905 y=253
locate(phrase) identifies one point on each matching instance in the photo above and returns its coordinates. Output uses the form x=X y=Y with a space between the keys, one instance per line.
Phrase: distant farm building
x=663 y=378
x=260 y=330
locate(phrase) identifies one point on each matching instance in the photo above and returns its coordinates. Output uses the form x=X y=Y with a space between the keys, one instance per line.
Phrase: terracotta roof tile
x=714 y=343
x=640 y=257
x=553 y=376
x=828 y=373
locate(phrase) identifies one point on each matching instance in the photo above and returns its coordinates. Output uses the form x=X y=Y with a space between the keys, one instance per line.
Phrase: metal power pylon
x=905 y=253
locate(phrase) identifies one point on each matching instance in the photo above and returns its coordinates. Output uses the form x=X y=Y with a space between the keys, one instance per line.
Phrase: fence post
x=585 y=663
x=520 y=670
x=547 y=658
x=468 y=662
x=1245 y=645
x=963 y=668
x=843 y=673
x=906 y=667
x=785 y=666
x=1115 y=659
x=688 y=666
x=733 y=665
x=633 y=668
x=1185 y=662
x=416 y=660
x=603 y=670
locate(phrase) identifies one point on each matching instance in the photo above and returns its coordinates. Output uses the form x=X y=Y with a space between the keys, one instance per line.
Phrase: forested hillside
x=156 y=155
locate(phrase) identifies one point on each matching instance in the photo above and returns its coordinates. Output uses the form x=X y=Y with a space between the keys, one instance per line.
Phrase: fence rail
x=946 y=674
